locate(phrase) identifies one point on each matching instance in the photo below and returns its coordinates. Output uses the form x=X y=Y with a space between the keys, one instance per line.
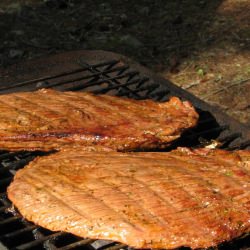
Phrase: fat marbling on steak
x=195 y=198
x=49 y=119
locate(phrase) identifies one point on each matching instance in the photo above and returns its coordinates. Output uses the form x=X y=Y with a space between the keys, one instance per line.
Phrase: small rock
x=123 y=16
x=42 y=84
x=14 y=53
x=124 y=19
x=17 y=32
x=102 y=37
x=131 y=41
x=14 y=8
x=144 y=10
x=62 y=4
x=105 y=6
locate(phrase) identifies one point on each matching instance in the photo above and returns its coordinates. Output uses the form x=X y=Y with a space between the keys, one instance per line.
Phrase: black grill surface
x=99 y=72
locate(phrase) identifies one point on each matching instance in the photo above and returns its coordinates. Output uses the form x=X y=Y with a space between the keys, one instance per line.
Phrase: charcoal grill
x=99 y=72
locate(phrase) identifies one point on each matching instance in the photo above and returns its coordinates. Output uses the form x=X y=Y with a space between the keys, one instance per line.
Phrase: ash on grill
x=99 y=72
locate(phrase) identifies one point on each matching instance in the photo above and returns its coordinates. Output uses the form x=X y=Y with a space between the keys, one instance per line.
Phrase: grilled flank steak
x=48 y=119
x=195 y=198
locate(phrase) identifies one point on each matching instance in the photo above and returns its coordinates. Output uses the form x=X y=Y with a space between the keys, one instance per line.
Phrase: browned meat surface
x=48 y=119
x=196 y=198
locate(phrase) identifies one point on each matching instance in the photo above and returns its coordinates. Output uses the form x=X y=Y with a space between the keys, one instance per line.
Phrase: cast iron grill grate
x=106 y=73
x=111 y=76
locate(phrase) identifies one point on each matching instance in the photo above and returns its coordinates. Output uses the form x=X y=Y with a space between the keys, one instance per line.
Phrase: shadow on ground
x=152 y=32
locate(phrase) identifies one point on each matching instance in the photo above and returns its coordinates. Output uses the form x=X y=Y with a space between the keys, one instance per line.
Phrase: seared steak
x=196 y=198
x=48 y=119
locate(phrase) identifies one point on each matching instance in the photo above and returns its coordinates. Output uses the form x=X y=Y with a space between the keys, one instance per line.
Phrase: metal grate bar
x=5 y=181
x=226 y=140
x=92 y=82
x=49 y=85
x=42 y=79
x=117 y=247
x=37 y=242
x=106 y=78
x=77 y=244
x=8 y=155
x=109 y=64
x=149 y=88
x=208 y=131
x=20 y=231
x=122 y=85
x=206 y=121
x=244 y=145
x=9 y=220
x=4 y=170
x=46 y=78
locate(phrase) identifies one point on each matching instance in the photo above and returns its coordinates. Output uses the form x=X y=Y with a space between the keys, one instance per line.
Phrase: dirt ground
x=202 y=46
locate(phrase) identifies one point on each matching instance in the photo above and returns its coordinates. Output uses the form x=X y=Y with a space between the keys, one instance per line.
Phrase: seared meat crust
x=48 y=119
x=195 y=198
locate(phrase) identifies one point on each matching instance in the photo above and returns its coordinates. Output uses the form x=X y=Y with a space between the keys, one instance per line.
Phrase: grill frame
x=99 y=71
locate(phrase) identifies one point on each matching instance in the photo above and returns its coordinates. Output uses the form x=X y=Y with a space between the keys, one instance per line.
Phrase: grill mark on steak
x=112 y=103
x=123 y=106
x=146 y=206
x=105 y=114
x=106 y=106
x=126 y=108
x=69 y=110
x=216 y=177
x=45 y=112
x=47 y=122
x=37 y=119
x=92 y=105
x=36 y=184
x=84 y=196
x=74 y=109
x=180 y=207
x=123 y=199
x=226 y=192
x=133 y=220
x=13 y=111
x=187 y=222
x=115 y=207
x=196 y=191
